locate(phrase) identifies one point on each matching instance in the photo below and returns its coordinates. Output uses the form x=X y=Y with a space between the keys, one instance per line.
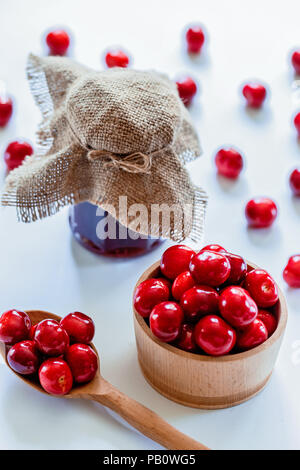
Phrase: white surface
x=41 y=267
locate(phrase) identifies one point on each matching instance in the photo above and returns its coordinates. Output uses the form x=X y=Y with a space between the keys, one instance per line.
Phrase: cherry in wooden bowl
x=137 y=415
x=202 y=381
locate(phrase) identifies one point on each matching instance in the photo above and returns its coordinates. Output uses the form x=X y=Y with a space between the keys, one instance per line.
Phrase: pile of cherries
x=208 y=302
x=58 y=353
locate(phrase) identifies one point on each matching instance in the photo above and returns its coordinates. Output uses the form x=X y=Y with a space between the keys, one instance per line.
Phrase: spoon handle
x=144 y=420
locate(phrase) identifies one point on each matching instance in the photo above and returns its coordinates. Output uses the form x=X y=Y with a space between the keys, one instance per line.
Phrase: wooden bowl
x=203 y=381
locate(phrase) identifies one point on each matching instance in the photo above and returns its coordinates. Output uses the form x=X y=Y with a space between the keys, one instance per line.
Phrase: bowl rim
x=203 y=358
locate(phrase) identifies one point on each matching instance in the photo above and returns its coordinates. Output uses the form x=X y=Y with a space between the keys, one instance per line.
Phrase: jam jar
x=100 y=233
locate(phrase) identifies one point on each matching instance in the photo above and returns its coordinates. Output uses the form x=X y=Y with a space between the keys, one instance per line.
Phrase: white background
x=42 y=267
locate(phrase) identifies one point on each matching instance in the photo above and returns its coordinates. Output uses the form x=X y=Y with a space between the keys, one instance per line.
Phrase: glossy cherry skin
x=165 y=321
x=199 y=301
x=253 y=335
x=214 y=335
x=229 y=163
x=296 y=61
x=116 y=59
x=255 y=94
x=195 y=39
x=51 y=339
x=237 y=307
x=166 y=282
x=14 y=326
x=294 y=181
x=297 y=123
x=6 y=109
x=32 y=332
x=80 y=327
x=238 y=269
x=268 y=320
x=210 y=268
x=148 y=294
x=175 y=260
x=16 y=152
x=291 y=273
x=214 y=247
x=23 y=357
x=186 y=340
x=261 y=287
x=83 y=362
x=55 y=376
x=187 y=89
x=58 y=42
x=183 y=282
x=261 y=212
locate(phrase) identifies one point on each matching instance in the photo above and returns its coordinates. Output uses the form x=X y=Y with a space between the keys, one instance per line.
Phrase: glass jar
x=100 y=233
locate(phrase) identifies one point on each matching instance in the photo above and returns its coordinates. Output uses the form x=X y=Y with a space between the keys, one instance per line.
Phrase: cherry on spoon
x=137 y=415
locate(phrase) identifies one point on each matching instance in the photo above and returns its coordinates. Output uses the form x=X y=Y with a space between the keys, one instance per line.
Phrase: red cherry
x=210 y=268
x=148 y=294
x=182 y=283
x=199 y=301
x=291 y=273
x=255 y=94
x=214 y=335
x=32 y=332
x=229 y=163
x=80 y=327
x=166 y=282
x=297 y=123
x=296 y=61
x=14 y=326
x=6 y=109
x=253 y=335
x=237 y=307
x=58 y=42
x=214 y=247
x=83 y=362
x=55 y=376
x=195 y=39
x=16 y=152
x=51 y=339
x=262 y=288
x=238 y=269
x=186 y=340
x=261 y=212
x=165 y=321
x=295 y=182
x=23 y=357
x=175 y=260
x=116 y=59
x=187 y=89
x=268 y=320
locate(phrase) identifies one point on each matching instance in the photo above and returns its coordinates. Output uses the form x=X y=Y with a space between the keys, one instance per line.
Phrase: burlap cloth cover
x=118 y=132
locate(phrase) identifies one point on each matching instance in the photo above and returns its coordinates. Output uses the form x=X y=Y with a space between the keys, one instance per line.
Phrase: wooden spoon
x=140 y=417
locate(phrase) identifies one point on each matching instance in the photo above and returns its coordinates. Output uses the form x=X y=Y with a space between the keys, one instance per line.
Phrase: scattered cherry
x=255 y=94
x=199 y=301
x=6 y=109
x=237 y=307
x=14 y=326
x=55 y=376
x=297 y=123
x=83 y=362
x=214 y=335
x=148 y=294
x=195 y=39
x=214 y=247
x=116 y=59
x=80 y=327
x=187 y=89
x=58 y=42
x=165 y=321
x=210 y=268
x=253 y=335
x=182 y=283
x=295 y=182
x=261 y=287
x=291 y=273
x=175 y=260
x=238 y=269
x=229 y=162
x=296 y=61
x=23 y=357
x=186 y=340
x=268 y=320
x=51 y=339
x=16 y=152
x=261 y=212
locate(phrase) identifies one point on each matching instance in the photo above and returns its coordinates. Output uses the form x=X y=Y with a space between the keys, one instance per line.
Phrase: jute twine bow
x=136 y=162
